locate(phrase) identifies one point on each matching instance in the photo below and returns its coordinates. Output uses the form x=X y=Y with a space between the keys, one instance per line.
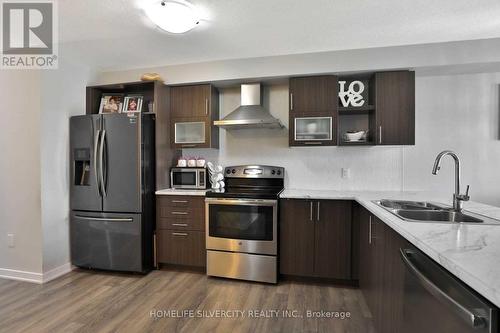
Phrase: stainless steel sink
x=436 y=215
x=409 y=205
x=423 y=211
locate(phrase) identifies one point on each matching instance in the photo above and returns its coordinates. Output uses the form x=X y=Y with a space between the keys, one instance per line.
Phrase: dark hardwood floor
x=84 y=301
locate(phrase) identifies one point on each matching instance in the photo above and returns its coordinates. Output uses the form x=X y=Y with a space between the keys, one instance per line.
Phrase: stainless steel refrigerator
x=112 y=191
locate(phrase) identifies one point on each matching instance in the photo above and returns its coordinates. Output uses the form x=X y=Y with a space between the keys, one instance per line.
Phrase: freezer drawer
x=107 y=241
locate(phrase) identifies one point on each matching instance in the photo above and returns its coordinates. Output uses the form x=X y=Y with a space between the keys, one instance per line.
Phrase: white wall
x=63 y=95
x=374 y=168
x=34 y=168
x=470 y=56
x=458 y=112
x=20 y=208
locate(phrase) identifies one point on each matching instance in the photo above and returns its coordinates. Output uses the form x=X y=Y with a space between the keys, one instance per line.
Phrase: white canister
x=200 y=162
x=191 y=163
x=182 y=162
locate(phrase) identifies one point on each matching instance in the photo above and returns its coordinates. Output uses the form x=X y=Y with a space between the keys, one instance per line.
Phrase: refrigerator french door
x=112 y=191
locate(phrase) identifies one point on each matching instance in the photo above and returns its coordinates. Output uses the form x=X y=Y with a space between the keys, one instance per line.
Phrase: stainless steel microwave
x=188 y=178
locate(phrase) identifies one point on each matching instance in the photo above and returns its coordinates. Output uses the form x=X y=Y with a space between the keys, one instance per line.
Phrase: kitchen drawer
x=180 y=201
x=180 y=213
x=182 y=247
x=195 y=224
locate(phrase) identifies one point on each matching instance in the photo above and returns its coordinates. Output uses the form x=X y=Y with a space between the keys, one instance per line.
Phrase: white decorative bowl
x=355 y=136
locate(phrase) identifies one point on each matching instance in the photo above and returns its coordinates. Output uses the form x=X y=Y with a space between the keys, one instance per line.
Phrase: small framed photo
x=133 y=103
x=111 y=103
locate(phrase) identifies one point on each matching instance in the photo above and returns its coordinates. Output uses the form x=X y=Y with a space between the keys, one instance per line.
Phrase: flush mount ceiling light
x=173 y=16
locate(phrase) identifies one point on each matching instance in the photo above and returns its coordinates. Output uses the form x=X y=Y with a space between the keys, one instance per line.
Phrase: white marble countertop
x=173 y=191
x=470 y=252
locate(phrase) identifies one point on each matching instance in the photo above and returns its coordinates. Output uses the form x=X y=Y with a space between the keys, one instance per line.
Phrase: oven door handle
x=244 y=202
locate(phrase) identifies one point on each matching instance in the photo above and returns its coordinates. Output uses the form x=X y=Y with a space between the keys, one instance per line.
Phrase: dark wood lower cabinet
x=182 y=247
x=315 y=238
x=381 y=272
x=332 y=240
x=296 y=238
x=180 y=224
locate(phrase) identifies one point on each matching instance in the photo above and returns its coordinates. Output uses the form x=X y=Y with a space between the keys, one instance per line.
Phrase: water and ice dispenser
x=82 y=166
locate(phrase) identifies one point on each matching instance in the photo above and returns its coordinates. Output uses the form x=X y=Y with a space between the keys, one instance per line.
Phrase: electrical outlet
x=346 y=173
x=10 y=240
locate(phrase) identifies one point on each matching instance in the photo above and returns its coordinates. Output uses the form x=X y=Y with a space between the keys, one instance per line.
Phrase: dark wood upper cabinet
x=296 y=237
x=193 y=111
x=313 y=94
x=394 y=95
x=332 y=257
x=313 y=111
x=315 y=238
x=191 y=101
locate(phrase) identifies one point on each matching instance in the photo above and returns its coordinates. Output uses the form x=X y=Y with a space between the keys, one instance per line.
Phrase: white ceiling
x=114 y=34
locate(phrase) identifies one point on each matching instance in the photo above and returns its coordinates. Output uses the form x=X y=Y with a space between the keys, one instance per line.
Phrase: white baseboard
x=14 y=274
x=33 y=277
x=57 y=272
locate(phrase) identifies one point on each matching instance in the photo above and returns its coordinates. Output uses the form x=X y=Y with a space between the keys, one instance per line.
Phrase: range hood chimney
x=250 y=114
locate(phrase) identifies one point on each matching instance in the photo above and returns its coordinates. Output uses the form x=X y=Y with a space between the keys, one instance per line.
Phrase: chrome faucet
x=458 y=198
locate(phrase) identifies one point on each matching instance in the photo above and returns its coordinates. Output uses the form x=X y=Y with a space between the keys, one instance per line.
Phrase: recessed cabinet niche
x=193 y=109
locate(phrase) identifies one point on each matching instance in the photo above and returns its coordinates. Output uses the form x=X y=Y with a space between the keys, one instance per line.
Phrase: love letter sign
x=353 y=95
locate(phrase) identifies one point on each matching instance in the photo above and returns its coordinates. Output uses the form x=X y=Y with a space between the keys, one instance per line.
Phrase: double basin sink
x=422 y=211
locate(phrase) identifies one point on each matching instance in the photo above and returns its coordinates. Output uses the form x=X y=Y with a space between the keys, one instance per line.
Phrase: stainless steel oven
x=242 y=225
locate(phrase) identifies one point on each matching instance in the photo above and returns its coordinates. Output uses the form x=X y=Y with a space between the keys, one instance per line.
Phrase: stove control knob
x=228 y=171
x=273 y=172
x=279 y=172
x=233 y=171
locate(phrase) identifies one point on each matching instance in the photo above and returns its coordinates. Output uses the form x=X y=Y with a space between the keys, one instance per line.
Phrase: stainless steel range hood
x=250 y=114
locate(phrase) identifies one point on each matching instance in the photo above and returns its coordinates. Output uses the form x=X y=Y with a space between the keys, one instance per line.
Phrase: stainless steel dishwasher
x=437 y=302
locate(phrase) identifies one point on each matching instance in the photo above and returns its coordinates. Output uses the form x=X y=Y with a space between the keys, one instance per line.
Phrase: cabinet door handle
x=206 y=106
x=179 y=213
x=370 y=230
x=291 y=101
x=380 y=134
x=317 y=213
x=311 y=211
x=188 y=146
x=313 y=143
x=183 y=234
x=179 y=224
x=179 y=201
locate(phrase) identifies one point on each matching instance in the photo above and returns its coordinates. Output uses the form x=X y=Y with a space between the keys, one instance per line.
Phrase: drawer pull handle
x=179 y=201
x=180 y=224
x=179 y=213
x=179 y=234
